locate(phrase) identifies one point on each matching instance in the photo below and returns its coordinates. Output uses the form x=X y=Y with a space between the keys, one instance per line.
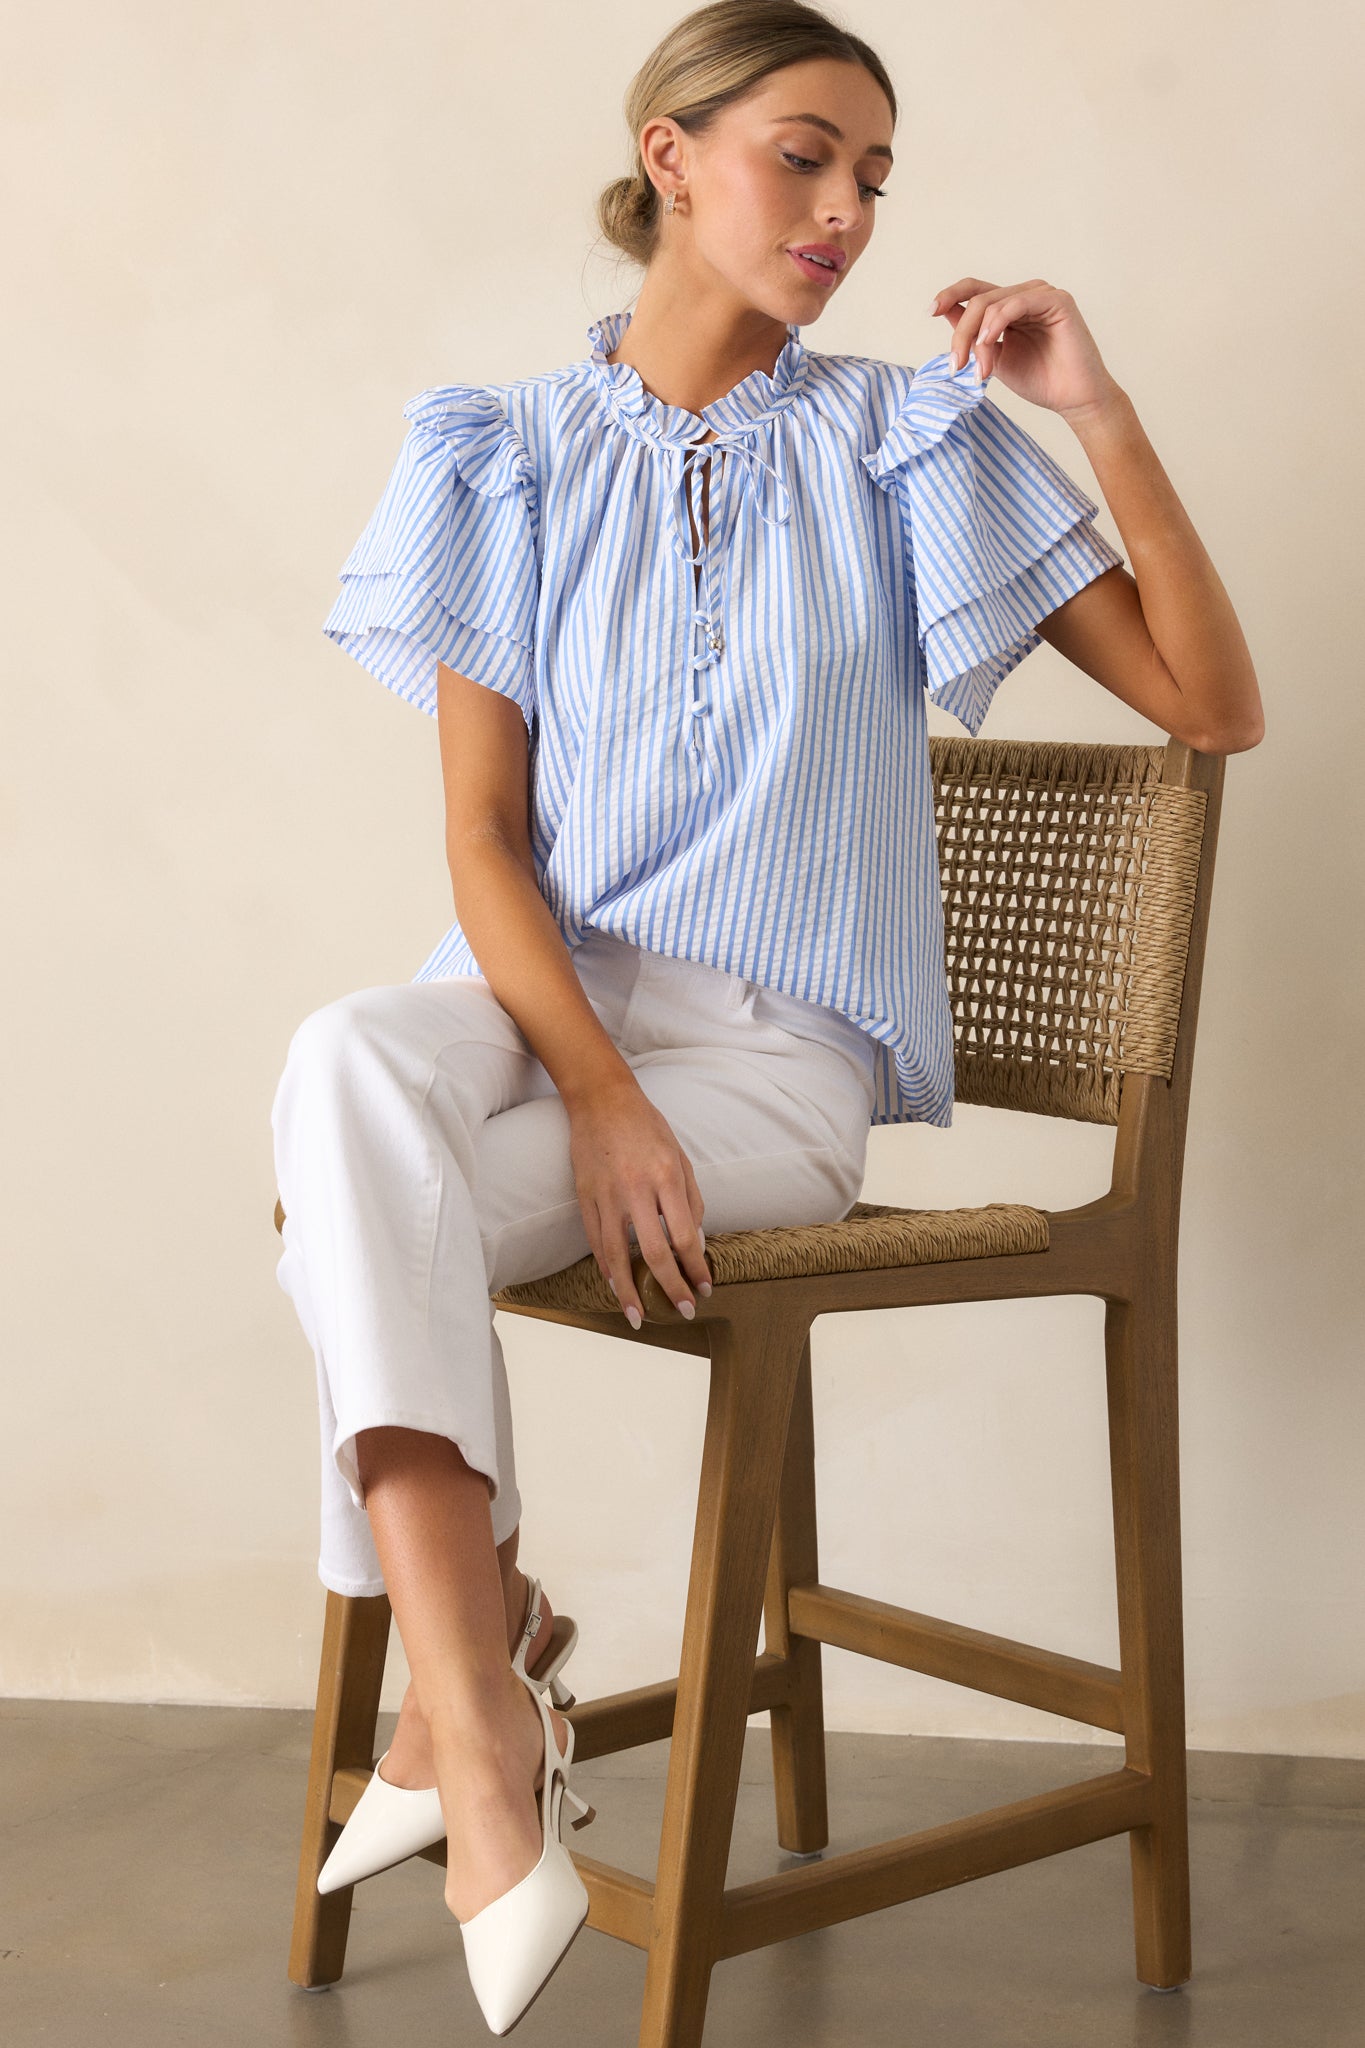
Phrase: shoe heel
x=560 y=1693
x=580 y=1807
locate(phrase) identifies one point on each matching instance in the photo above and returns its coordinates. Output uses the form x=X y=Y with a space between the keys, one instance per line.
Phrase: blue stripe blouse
x=729 y=749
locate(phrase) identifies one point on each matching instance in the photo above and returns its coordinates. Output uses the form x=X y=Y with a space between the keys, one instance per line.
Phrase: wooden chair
x=1076 y=885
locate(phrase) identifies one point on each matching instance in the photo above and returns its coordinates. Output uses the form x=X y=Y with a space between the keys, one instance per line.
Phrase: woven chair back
x=1069 y=873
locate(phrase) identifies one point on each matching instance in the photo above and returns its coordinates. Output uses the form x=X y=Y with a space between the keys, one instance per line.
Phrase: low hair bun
x=626 y=210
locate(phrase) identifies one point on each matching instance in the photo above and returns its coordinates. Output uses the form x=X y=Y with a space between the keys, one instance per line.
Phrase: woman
x=673 y=607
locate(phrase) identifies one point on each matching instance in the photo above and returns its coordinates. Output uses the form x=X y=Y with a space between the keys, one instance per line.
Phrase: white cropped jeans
x=422 y=1160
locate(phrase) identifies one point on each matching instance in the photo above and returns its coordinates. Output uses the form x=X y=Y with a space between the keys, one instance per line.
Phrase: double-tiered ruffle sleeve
x=996 y=534
x=446 y=568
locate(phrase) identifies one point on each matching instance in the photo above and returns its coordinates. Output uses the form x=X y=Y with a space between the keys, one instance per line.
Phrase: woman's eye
x=805 y=163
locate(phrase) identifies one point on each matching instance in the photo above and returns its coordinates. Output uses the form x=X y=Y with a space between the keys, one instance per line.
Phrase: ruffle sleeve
x=996 y=534
x=446 y=568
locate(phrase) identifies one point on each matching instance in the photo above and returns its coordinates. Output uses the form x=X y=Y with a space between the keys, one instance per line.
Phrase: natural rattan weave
x=1068 y=881
x=1076 y=886
x=872 y=1235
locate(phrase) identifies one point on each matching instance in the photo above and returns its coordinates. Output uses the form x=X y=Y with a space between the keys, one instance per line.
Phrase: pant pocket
x=815 y=1025
x=813 y=1021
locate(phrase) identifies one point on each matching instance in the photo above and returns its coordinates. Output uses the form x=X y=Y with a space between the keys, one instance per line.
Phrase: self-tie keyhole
x=700 y=542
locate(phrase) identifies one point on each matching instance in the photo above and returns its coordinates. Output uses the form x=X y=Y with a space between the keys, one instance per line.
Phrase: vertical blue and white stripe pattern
x=735 y=773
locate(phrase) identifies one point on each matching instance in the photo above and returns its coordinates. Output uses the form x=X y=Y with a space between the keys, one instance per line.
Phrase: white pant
x=422 y=1159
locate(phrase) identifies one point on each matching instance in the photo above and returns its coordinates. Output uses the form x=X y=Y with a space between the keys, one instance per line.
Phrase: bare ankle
x=485 y=1730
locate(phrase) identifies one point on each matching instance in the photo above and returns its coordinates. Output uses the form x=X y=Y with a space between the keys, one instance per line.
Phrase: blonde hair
x=708 y=60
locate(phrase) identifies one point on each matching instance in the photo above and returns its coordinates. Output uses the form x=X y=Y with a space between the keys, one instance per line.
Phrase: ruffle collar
x=754 y=399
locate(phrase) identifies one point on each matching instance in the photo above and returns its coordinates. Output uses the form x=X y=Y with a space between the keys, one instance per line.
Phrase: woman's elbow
x=1233 y=738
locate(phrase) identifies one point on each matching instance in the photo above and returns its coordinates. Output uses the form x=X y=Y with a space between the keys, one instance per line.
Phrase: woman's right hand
x=629 y=1169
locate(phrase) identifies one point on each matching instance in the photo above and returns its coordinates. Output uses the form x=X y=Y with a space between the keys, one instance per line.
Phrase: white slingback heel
x=514 y=1945
x=392 y=1822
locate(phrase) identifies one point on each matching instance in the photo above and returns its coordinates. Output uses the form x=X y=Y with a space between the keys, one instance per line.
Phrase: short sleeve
x=996 y=534
x=446 y=568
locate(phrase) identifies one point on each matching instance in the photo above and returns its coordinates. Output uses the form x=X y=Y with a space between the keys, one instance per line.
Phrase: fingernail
x=704 y=1287
x=612 y=1285
x=933 y=305
x=633 y=1317
x=688 y=1309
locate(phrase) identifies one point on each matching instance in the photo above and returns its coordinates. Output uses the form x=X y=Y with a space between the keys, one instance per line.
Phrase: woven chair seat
x=872 y=1235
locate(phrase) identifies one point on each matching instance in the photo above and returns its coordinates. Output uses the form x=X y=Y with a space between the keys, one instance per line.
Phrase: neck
x=689 y=351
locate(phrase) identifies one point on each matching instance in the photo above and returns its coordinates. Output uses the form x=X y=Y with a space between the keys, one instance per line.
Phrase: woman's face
x=795 y=163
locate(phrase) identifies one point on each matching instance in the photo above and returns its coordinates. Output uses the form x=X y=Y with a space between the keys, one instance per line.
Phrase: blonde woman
x=675 y=607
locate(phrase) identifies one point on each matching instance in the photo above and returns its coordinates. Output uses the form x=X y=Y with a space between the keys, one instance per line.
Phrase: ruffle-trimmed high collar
x=754 y=399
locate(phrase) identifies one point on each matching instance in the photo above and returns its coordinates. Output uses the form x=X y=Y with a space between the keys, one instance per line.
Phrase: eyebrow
x=819 y=121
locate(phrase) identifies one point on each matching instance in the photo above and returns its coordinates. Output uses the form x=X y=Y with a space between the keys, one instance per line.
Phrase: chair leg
x=1144 y=1454
x=798 y=1729
x=355 y=1641
x=754 y=1368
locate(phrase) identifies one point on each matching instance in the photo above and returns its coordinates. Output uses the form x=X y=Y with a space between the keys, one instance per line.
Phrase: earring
x=668 y=203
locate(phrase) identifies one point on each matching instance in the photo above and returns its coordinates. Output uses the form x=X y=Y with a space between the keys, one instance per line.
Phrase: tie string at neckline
x=734 y=418
x=685 y=460
x=675 y=433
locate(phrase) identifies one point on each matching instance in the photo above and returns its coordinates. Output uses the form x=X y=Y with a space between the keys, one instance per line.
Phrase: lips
x=823 y=273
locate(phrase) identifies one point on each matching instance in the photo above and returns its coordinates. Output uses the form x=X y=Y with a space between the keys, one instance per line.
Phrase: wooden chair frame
x=754 y=1553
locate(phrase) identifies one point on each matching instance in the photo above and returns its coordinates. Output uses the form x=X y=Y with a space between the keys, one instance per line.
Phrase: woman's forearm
x=1188 y=611
x=1033 y=338
x=523 y=957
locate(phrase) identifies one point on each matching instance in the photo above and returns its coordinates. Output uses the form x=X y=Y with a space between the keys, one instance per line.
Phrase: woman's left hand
x=1029 y=335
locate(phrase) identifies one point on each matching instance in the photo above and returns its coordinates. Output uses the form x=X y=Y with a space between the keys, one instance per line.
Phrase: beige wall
x=247 y=236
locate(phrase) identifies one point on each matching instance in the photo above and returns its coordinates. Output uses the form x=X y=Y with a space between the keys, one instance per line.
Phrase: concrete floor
x=148 y=1854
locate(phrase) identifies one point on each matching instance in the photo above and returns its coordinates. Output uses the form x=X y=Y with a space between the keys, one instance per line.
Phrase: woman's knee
x=334 y=1045
x=361 y=1028
x=358 y=1017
